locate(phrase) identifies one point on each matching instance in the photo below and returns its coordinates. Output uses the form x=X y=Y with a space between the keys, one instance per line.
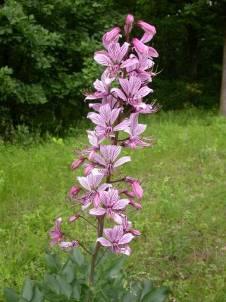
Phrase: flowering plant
x=117 y=103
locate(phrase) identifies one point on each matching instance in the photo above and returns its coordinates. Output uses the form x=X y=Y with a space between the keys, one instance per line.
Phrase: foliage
x=68 y=282
x=46 y=49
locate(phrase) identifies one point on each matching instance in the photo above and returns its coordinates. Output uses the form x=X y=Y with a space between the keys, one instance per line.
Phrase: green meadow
x=183 y=220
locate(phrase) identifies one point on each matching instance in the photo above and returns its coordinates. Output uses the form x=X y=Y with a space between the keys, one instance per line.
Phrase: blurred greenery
x=183 y=218
x=46 y=50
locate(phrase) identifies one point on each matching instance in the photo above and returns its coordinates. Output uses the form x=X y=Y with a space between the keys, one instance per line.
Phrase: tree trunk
x=223 y=83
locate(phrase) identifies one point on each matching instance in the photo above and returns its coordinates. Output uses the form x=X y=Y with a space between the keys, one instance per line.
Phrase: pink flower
x=128 y=24
x=102 y=88
x=110 y=100
x=116 y=240
x=68 y=244
x=131 y=91
x=111 y=36
x=91 y=184
x=127 y=227
x=134 y=130
x=73 y=192
x=141 y=68
x=105 y=121
x=107 y=159
x=55 y=234
x=149 y=31
x=94 y=142
x=143 y=49
x=110 y=205
x=136 y=187
x=77 y=163
x=112 y=58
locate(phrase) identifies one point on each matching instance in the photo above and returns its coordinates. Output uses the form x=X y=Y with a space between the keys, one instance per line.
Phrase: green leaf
x=77 y=257
x=116 y=267
x=65 y=288
x=68 y=271
x=38 y=295
x=147 y=287
x=11 y=295
x=52 y=261
x=27 y=292
x=52 y=284
x=130 y=298
x=157 y=295
x=76 y=291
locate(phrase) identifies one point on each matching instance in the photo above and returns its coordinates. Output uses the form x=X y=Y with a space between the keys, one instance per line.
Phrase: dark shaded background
x=47 y=46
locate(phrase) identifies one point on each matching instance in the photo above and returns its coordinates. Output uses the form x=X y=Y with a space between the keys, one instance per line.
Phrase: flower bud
x=73 y=218
x=73 y=192
x=128 y=24
x=77 y=163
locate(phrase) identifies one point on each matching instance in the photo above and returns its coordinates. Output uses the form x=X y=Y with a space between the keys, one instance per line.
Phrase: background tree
x=46 y=56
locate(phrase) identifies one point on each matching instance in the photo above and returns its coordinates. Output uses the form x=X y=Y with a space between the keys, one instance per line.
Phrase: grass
x=183 y=223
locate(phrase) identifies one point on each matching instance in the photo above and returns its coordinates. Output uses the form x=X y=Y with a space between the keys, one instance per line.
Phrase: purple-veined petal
x=84 y=182
x=122 y=161
x=118 y=93
x=99 y=85
x=126 y=238
x=123 y=126
x=143 y=91
x=152 y=52
x=102 y=58
x=97 y=211
x=123 y=51
x=97 y=158
x=115 y=114
x=134 y=85
x=104 y=242
x=131 y=62
x=96 y=118
x=121 y=204
x=125 y=85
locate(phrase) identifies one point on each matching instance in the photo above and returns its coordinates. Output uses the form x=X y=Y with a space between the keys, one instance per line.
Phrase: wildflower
x=91 y=184
x=73 y=192
x=55 y=234
x=107 y=159
x=149 y=31
x=110 y=205
x=132 y=91
x=143 y=49
x=134 y=130
x=105 y=121
x=68 y=244
x=136 y=187
x=112 y=58
x=116 y=240
x=111 y=36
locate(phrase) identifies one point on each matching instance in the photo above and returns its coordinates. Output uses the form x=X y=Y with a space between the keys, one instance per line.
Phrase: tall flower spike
x=116 y=104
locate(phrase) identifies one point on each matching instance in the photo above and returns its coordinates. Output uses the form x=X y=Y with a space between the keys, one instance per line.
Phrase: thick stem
x=100 y=228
